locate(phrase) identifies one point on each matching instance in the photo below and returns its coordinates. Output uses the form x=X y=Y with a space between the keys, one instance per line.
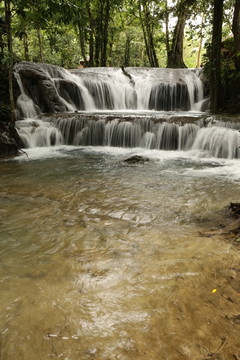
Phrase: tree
x=148 y=23
x=200 y=41
x=236 y=34
x=175 y=54
x=215 y=58
x=167 y=26
x=8 y=19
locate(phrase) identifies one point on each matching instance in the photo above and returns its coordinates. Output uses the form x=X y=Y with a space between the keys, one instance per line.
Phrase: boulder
x=38 y=85
x=136 y=159
x=235 y=209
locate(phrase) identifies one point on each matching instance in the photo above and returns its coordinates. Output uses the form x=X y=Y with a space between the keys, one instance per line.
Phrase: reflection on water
x=104 y=260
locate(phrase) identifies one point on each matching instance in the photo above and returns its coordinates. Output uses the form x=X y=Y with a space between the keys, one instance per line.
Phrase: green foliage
x=63 y=32
x=230 y=78
x=60 y=46
x=67 y=27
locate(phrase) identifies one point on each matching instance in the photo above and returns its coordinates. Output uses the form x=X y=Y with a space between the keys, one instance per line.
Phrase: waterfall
x=211 y=140
x=54 y=89
x=128 y=108
x=25 y=104
x=39 y=133
x=219 y=142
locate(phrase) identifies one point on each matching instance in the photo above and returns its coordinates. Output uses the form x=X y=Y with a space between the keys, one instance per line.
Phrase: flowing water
x=105 y=259
x=101 y=259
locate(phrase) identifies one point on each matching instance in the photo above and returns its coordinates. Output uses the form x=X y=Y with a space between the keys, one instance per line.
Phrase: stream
x=102 y=259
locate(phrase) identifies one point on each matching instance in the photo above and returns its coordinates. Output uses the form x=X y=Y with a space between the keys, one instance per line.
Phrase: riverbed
x=103 y=259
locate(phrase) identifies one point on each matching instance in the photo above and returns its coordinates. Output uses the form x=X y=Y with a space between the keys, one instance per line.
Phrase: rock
x=235 y=209
x=50 y=99
x=205 y=105
x=70 y=92
x=136 y=159
x=9 y=140
x=38 y=84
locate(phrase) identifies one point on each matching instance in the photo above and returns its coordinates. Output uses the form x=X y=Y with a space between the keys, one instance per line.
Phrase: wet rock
x=39 y=86
x=71 y=93
x=50 y=97
x=235 y=209
x=205 y=105
x=9 y=140
x=136 y=159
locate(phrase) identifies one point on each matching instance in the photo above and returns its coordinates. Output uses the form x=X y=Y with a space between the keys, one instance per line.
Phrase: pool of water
x=101 y=259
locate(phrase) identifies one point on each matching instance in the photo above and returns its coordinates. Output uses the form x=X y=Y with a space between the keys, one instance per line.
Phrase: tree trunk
x=26 y=47
x=91 y=36
x=175 y=55
x=127 y=51
x=1 y=44
x=175 y=58
x=167 y=28
x=144 y=34
x=105 y=33
x=82 y=41
x=99 y=33
x=147 y=28
x=39 y=35
x=236 y=34
x=111 y=49
x=8 y=17
x=200 y=43
x=97 y=47
x=215 y=58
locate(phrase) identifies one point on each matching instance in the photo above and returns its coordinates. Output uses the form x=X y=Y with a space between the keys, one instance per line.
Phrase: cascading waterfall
x=53 y=89
x=24 y=103
x=212 y=140
x=120 y=107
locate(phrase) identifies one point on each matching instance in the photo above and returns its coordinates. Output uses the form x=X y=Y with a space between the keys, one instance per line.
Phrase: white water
x=122 y=94
x=24 y=103
x=183 y=163
x=212 y=140
x=108 y=89
x=117 y=108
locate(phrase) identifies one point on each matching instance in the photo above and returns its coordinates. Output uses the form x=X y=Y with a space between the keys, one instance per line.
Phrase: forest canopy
x=155 y=33
x=114 y=32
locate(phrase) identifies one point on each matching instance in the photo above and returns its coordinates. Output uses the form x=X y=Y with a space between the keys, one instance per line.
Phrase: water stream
x=105 y=259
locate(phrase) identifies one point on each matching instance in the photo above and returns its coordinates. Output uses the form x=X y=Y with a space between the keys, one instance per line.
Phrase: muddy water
x=104 y=260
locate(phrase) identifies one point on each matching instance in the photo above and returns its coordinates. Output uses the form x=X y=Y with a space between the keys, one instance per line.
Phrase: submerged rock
x=136 y=159
x=235 y=209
